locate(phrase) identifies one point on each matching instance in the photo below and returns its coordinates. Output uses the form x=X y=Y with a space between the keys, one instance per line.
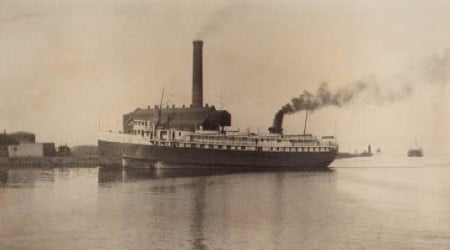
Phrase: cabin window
x=243 y=147
x=228 y=147
x=179 y=133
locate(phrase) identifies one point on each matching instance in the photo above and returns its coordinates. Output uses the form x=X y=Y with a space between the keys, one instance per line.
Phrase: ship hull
x=180 y=157
x=415 y=153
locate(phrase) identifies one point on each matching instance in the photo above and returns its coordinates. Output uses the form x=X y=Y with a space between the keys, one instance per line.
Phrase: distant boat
x=415 y=151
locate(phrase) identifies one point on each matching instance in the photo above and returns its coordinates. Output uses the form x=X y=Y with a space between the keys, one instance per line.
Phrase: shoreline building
x=23 y=144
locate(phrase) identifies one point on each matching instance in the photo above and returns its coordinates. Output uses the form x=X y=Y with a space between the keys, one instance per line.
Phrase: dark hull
x=415 y=153
x=215 y=158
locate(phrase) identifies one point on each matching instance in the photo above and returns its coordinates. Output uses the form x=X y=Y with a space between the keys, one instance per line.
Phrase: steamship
x=200 y=135
x=415 y=151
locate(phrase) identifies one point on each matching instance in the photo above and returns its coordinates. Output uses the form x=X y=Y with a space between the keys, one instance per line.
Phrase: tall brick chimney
x=197 y=75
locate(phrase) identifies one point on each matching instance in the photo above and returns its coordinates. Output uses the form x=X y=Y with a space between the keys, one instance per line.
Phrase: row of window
x=145 y=123
x=245 y=139
x=249 y=148
x=230 y=138
x=142 y=132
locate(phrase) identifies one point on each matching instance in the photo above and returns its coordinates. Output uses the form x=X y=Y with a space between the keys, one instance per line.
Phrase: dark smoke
x=338 y=98
x=324 y=96
x=434 y=71
x=437 y=69
x=216 y=21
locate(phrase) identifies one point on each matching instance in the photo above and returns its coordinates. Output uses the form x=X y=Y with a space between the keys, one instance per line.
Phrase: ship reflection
x=114 y=174
x=135 y=174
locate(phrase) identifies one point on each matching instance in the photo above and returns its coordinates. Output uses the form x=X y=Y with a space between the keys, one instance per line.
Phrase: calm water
x=377 y=203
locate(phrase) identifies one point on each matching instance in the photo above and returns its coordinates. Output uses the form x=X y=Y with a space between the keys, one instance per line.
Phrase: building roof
x=183 y=118
x=21 y=133
x=6 y=140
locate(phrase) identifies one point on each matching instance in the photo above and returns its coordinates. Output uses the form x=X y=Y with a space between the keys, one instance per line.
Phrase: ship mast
x=306 y=119
x=160 y=109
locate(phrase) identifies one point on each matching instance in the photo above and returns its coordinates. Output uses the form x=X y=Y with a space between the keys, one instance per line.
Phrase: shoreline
x=58 y=161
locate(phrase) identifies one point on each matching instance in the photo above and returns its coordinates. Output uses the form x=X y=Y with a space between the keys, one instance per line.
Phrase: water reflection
x=106 y=175
x=114 y=208
x=3 y=176
x=216 y=202
x=25 y=177
x=110 y=174
x=198 y=213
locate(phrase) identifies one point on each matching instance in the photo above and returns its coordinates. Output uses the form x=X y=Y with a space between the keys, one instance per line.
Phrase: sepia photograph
x=174 y=124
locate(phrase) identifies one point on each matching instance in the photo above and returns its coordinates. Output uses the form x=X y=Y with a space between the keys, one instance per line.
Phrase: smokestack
x=197 y=75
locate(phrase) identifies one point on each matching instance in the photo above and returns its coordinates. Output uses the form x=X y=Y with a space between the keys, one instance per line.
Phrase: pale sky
x=70 y=67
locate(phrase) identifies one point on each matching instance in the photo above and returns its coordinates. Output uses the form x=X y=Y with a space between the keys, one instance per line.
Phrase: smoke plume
x=437 y=69
x=324 y=96
x=216 y=21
